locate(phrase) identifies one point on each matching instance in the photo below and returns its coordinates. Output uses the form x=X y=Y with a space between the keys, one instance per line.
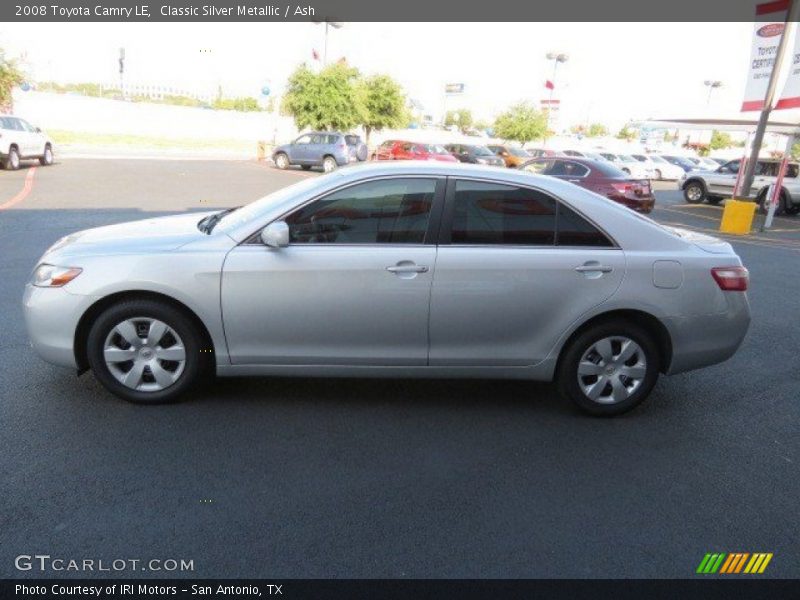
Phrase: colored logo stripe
x=734 y=562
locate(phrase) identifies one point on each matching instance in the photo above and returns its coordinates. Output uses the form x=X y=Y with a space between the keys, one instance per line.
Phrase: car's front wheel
x=694 y=192
x=47 y=158
x=609 y=368
x=282 y=161
x=147 y=351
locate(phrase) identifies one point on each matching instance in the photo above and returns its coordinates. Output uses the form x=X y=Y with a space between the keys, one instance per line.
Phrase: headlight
x=53 y=276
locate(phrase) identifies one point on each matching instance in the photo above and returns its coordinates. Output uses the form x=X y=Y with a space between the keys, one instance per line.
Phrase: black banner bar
x=381 y=10
x=716 y=588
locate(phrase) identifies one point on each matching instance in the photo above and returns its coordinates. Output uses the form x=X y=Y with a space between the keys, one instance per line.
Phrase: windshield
x=247 y=212
x=434 y=149
x=608 y=155
x=518 y=152
x=481 y=151
x=658 y=159
x=627 y=158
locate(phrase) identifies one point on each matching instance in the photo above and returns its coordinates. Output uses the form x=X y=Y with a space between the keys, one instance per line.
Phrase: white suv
x=19 y=139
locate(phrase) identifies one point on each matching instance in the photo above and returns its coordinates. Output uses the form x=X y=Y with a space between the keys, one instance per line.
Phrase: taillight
x=731 y=279
x=622 y=188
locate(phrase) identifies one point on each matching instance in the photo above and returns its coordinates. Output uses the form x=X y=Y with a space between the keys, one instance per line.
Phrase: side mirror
x=275 y=235
x=38 y=130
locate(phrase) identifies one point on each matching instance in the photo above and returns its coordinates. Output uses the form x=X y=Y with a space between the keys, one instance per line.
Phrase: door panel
x=327 y=304
x=502 y=306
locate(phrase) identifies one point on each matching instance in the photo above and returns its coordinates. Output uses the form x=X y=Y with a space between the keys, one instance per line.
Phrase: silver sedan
x=394 y=270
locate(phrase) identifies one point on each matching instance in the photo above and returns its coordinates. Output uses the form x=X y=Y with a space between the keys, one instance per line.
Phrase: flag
x=314 y=54
x=549 y=85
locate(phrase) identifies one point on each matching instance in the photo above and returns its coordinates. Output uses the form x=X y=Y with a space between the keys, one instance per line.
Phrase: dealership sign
x=763 y=52
x=790 y=97
x=454 y=88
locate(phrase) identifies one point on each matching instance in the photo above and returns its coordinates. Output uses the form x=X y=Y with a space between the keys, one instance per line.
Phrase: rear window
x=608 y=169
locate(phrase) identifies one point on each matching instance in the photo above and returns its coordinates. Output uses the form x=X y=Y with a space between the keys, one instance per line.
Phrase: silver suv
x=712 y=186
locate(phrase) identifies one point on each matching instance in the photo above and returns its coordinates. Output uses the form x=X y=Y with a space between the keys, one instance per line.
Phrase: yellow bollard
x=261 y=150
x=737 y=217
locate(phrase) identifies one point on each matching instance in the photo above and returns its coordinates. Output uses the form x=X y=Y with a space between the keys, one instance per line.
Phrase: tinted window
x=607 y=169
x=389 y=211
x=567 y=168
x=541 y=167
x=574 y=230
x=488 y=213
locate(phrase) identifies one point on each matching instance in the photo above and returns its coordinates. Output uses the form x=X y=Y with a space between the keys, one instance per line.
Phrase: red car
x=400 y=150
x=598 y=176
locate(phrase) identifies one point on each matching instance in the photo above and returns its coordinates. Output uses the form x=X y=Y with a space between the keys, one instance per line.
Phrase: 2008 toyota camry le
x=394 y=270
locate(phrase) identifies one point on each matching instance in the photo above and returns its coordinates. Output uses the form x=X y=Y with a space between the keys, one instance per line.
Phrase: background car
x=600 y=177
x=402 y=150
x=20 y=140
x=335 y=276
x=629 y=165
x=714 y=185
x=325 y=149
x=474 y=154
x=661 y=168
x=681 y=161
x=539 y=152
x=513 y=156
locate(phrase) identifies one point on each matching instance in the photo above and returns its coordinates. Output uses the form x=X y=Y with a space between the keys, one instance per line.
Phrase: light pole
x=335 y=25
x=556 y=57
x=711 y=84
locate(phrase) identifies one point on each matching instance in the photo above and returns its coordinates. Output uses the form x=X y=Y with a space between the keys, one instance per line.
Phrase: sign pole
x=758 y=138
x=776 y=192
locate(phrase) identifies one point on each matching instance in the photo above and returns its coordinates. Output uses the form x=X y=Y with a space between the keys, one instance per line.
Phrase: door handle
x=407 y=269
x=593 y=269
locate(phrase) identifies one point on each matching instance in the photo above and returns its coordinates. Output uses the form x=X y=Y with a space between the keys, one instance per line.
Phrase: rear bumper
x=700 y=341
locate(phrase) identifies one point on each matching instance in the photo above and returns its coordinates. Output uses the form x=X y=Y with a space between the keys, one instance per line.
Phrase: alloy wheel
x=328 y=165
x=694 y=193
x=144 y=354
x=611 y=370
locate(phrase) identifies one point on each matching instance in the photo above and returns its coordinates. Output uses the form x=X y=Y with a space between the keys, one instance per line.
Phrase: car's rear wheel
x=694 y=192
x=282 y=161
x=147 y=352
x=763 y=203
x=12 y=160
x=47 y=158
x=329 y=164
x=609 y=368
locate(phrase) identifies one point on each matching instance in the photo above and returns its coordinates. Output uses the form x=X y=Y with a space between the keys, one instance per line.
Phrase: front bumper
x=51 y=318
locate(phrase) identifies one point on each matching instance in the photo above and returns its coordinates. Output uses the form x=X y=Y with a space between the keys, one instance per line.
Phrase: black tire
x=713 y=200
x=567 y=378
x=11 y=161
x=361 y=152
x=329 y=164
x=198 y=357
x=282 y=161
x=47 y=158
x=306 y=167
x=694 y=192
x=763 y=206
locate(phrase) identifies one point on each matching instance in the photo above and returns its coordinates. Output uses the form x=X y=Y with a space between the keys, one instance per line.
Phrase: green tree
x=720 y=140
x=597 y=130
x=461 y=118
x=521 y=123
x=482 y=125
x=627 y=133
x=329 y=99
x=384 y=104
x=10 y=77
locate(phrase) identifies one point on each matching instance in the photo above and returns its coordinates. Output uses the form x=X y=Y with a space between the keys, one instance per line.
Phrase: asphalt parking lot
x=367 y=478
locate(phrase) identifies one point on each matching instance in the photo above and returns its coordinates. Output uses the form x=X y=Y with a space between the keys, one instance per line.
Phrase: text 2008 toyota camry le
x=394 y=270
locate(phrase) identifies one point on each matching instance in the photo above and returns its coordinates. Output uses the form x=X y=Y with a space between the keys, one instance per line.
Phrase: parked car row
x=713 y=185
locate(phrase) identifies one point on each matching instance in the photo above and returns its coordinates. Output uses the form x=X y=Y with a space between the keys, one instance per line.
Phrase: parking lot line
x=23 y=193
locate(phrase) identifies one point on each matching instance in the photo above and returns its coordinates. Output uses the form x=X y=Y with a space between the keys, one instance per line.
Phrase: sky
x=616 y=71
